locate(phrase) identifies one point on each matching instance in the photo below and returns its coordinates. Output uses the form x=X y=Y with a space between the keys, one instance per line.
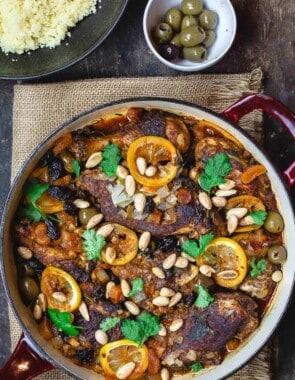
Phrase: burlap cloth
x=39 y=109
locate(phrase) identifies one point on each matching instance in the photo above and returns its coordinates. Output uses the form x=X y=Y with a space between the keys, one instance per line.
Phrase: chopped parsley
x=111 y=157
x=62 y=320
x=145 y=326
x=258 y=217
x=196 y=367
x=92 y=244
x=257 y=267
x=137 y=286
x=216 y=168
x=204 y=298
x=76 y=168
x=109 y=323
x=194 y=248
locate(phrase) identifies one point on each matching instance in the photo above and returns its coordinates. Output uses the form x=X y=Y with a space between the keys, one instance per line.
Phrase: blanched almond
x=141 y=165
x=150 y=171
x=165 y=375
x=225 y=193
x=25 y=252
x=247 y=221
x=163 y=330
x=228 y=274
x=167 y=292
x=181 y=262
x=205 y=200
x=105 y=230
x=132 y=307
x=175 y=299
x=188 y=257
x=122 y=172
x=94 y=221
x=277 y=276
x=42 y=302
x=93 y=160
x=232 y=224
x=130 y=185
x=125 y=287
x=228 y=185
x=239 y=212
x=110 y=255
x=37 y=312
x=80 y=203
x=101 y=337
x=144 y=240
x=109 y=286
x=158 y=272
x=207 y=270
x=176 y=325
x=161 y=301
x=84 y=311
x=125 y=370
x=139 y=202
x=169 y=261
x=219 y=201
x=59 y=296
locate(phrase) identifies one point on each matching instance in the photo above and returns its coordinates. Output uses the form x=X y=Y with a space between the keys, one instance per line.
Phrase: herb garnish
x=76 y=167
x=140 y=330
x=257 y=267
x=196 y=367
x=258 y=217
x=204 y=298
x=33 y=191
x=62 y=320
x=137 y=286
x=109 y=323
x=194 y=249
x=111 y=157
x=92 y=244
x=216 y=168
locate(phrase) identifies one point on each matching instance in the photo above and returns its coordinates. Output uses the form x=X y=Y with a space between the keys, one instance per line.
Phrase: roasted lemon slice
x=158 y=153
x=61 y=289
x=122 y=243
x=228 y=259
x=115 y=355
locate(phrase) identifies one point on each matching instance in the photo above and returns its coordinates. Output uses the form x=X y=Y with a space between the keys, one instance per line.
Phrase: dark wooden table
x=265 y=39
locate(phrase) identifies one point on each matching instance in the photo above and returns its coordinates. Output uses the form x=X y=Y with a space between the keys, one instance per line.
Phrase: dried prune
x=149 y=205
x=63 y=193
x=70 y=208
x=48 y=157
x=85 y=356
x=168 y=243
x=56 y=168
x=52 y=229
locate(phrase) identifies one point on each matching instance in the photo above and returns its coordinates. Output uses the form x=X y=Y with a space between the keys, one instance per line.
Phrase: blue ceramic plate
x=85 y=37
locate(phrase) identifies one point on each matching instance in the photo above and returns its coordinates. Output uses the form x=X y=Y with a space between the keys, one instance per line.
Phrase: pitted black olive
x=46 y=159
x=70 y=208
x=63 y=193
x=85 y=356
x=169 y=51
x=149 y=205
x=168 y=243
x=56 y=168
x=52 y=229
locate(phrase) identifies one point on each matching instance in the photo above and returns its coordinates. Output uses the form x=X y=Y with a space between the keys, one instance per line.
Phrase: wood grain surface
x=265 y=39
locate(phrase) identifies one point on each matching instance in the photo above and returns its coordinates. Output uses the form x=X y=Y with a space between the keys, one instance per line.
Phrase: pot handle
x=24 y=363
x=274 y=108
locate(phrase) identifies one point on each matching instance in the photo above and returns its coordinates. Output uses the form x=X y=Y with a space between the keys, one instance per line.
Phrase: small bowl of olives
x=189 y=35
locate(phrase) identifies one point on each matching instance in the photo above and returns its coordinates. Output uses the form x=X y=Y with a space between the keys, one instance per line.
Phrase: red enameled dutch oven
x=34 y=355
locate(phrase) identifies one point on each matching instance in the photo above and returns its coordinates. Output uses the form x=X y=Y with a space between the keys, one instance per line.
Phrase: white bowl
x=225 y=31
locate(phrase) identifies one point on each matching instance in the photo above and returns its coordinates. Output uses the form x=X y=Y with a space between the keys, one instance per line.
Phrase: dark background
x=265 y=39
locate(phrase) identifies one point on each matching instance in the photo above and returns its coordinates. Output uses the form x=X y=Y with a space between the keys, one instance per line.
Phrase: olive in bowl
x=202 y=31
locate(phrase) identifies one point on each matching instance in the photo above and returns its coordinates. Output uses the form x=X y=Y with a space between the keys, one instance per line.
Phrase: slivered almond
x=94 y=221
x=205 y=200
x=169 y=261
x=105 y=230
x=228 y=185
x=141 y=165
x=239 y=212
x=161 y=301
x=25 y=253
x=125 y=370
x=93 y=160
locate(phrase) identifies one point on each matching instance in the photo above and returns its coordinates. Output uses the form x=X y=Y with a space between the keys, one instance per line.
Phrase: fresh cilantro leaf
x=62 y=320
x=34 y=191
x=109 y=323
x=204 y=298
x=140 y=330
x=216 y=168
x=137 y=286
x=76 y=167
x=111 y=157
x=30 y=212
x=257 y=267
x=258 y=217
x=93 y=244
x=194 y=249
x=196 y=367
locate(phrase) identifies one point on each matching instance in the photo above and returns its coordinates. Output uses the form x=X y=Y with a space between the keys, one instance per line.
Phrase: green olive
x=67 y=158
x=192 y=7
x=163 y=32
x=29 y=288
x=173 y=17
x=277 y=254
x=189 y=21
x=209 y=39
x=176 y=40
x=24 y=269
x=86 y=213
x=192 y=36
x=208 y=19
x=274 y=222
x=195 y=54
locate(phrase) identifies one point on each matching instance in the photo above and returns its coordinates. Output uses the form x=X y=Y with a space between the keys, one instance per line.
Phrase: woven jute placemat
x=39 y=109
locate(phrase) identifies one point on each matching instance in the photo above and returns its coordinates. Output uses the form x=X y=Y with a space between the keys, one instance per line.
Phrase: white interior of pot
x=277 y=306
